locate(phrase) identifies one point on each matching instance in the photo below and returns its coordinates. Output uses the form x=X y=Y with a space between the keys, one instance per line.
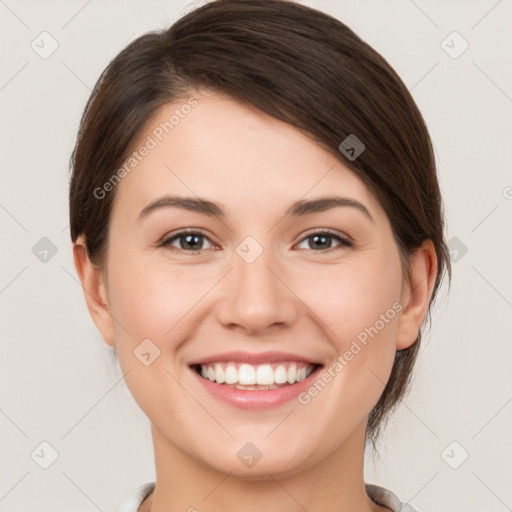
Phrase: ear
x=93 y=285
x=416 y=294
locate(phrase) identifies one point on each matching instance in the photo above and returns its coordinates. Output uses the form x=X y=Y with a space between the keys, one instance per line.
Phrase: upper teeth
x=248 y=374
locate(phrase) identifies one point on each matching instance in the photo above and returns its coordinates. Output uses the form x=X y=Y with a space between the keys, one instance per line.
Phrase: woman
x=257 y=225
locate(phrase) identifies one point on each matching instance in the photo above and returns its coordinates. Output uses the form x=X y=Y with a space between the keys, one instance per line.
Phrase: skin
x=295 y=297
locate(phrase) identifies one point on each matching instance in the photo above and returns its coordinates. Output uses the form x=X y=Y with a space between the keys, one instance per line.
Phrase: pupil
x=320 y=237
x=189 y=239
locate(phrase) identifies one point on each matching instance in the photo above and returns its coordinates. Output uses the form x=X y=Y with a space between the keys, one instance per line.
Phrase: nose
x=257 y=297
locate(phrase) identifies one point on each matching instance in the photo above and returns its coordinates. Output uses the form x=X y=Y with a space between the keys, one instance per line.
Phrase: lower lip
x=250 y=399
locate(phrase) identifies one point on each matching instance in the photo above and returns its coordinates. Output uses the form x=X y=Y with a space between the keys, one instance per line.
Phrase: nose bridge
x=251 y=266
x=257 y=299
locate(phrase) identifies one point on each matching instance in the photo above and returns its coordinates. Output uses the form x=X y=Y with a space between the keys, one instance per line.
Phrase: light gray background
x=58 y=384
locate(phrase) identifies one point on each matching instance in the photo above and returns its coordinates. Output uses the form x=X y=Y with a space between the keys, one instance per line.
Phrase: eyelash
x=166 y=243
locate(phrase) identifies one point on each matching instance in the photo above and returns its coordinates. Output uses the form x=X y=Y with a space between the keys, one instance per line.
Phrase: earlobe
x=93 y=286
x=417 y=293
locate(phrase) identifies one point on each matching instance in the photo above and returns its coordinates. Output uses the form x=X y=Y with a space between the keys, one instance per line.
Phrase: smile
x=254 y=380
x=256 y=377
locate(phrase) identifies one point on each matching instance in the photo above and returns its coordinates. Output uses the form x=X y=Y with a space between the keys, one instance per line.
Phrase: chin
x=245 y=461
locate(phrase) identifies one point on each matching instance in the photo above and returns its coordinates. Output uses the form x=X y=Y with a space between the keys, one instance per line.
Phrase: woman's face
x=252 y=292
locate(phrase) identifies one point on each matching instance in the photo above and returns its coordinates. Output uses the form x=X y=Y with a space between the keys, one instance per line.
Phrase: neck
x=335 y=483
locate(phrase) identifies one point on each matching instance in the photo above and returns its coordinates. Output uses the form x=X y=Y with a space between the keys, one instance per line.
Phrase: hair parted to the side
x=296 y=64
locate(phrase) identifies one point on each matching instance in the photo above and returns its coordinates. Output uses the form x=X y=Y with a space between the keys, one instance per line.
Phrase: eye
x=188 y=241
x=192 y=241
x=323 y=240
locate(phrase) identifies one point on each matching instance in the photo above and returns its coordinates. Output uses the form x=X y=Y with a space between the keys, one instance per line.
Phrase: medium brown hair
x=298 y=65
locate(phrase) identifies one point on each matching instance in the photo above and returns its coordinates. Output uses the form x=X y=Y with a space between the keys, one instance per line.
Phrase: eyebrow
x=298 y=208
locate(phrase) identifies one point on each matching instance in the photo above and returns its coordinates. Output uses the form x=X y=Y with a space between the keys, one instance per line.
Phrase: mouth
x=255 y=380
x=250 y=377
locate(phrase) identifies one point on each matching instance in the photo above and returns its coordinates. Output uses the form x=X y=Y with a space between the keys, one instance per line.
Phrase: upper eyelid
x=188 y=231
x=166 y=239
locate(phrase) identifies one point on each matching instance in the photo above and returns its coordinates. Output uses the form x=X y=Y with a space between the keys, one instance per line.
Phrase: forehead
x=226 y=151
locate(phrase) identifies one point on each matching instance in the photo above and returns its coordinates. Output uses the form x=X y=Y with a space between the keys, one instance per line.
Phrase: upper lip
x=252 y=358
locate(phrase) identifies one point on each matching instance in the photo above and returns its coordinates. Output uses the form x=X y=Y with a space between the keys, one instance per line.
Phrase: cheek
x=153 y=301
x=350 y=298
x=360 y=305
x=150 y=300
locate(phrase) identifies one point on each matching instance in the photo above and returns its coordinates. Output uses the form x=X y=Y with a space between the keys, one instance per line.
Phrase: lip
x=252 y=358
x=254 y=399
